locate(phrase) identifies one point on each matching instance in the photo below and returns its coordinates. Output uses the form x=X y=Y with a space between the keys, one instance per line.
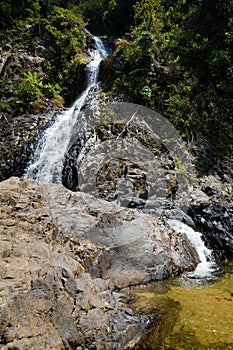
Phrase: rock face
x=64 y=255
x=205 y=205
x=215 y=221
x=133 y=169
x=17 y=140
x=212 y=213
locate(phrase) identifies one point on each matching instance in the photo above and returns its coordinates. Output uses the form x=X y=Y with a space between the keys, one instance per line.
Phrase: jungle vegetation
x=175 y=56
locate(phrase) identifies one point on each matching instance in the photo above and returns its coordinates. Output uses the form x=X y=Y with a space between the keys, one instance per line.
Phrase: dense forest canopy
x=175 y=56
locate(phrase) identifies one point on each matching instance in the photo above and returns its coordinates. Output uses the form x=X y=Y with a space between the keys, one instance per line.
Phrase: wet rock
x=177 y=214
x=17 y=141
x=211 y=210
x=215 y=221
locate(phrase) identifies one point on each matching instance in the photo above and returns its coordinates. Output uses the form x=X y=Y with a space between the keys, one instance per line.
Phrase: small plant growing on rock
x=31 y=90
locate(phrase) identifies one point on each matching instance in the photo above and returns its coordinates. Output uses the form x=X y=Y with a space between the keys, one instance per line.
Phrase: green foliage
x=31 y=88
x=5 y=108
x=52 y=91
x=88 y=307
x=148 y=15
x=180 y=63
x=145 y=41
x=109 y=14
x=146 y=93
x=60 y=33
x=219 y=61
x=178 y=60
x=13 y=11
x=68 y=47
x=29 y=11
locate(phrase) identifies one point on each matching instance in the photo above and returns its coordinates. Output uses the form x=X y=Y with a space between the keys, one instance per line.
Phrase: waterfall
x=207 y=264
x=47 y=163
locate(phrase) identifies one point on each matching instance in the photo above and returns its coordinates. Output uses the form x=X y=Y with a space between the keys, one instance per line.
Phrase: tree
x=148 y=15
x=14 y=10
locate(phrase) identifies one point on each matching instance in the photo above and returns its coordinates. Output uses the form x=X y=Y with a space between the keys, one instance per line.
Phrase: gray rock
x=211 y=210
x=17 y=141
x=60 y=265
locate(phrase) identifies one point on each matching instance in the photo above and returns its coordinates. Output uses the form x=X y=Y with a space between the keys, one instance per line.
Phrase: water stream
x=207 y=267
x=193 y=311
x=47 y=163
x=187 y=315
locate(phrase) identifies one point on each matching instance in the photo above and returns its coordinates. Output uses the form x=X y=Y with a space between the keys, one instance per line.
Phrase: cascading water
x=47 y=164
x=207 y=265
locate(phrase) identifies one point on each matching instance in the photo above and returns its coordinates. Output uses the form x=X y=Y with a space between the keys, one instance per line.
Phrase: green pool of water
x=192 y=314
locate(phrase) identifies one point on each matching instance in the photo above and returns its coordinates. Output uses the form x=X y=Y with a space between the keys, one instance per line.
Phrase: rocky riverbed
x=65 y=260
x=68 y=259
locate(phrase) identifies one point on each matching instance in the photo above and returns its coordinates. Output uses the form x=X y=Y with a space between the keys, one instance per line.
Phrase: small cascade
x=47 y=163
x=207 y=265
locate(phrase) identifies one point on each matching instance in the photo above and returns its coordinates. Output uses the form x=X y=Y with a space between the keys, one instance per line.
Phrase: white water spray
x=47 y=164
x=207 y=265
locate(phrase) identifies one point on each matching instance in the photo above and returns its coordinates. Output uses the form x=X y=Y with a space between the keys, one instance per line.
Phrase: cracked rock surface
x=65 y=258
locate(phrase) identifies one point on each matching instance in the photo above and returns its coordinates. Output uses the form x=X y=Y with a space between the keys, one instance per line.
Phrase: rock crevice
x=62 y=267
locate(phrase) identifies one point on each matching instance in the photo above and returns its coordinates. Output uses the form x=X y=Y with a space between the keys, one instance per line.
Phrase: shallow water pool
x=193 y=314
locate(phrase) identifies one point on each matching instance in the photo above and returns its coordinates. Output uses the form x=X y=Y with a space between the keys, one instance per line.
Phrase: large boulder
x=46 y=299
x=123 y=245
x=65 y=255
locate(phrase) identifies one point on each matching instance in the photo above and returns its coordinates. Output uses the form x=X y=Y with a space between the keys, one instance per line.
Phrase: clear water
x=47 y=163
x=191 y=314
